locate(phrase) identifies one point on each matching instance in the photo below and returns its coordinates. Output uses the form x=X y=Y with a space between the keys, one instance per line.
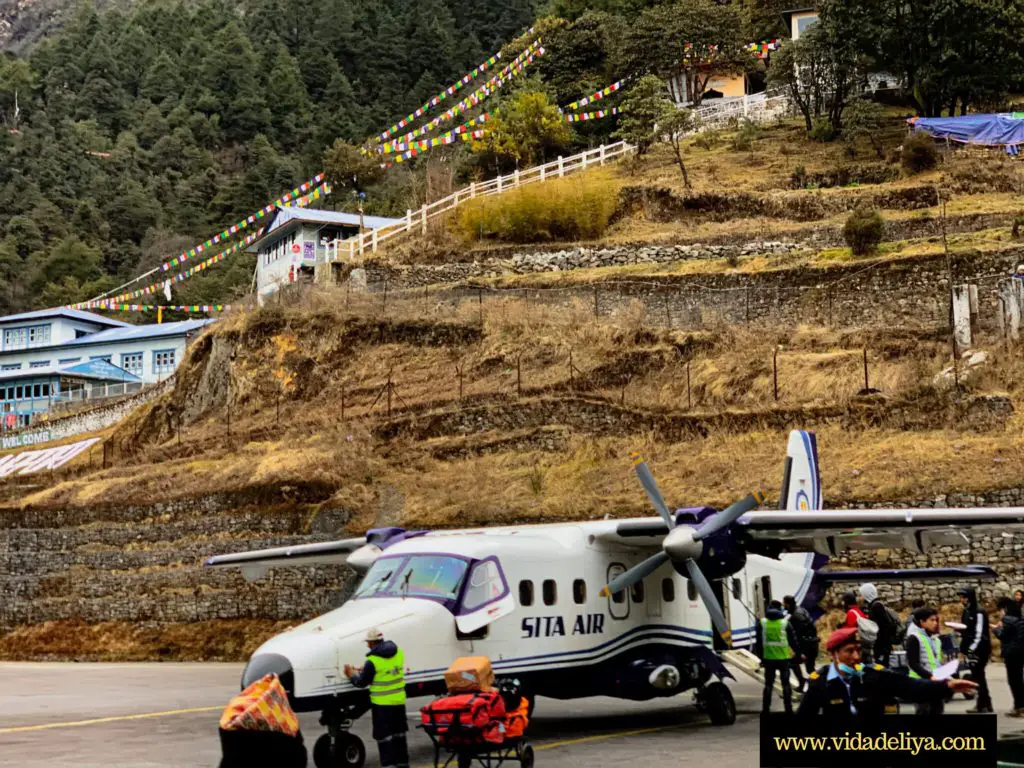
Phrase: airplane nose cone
x=263 y=664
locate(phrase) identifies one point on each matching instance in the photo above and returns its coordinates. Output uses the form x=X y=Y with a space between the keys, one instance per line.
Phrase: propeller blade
x=651 y=487
x=728 y=516
x=635 y=574
x=710 y=601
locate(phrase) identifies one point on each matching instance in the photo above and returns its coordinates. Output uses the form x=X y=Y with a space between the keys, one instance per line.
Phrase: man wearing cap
x=776 y=645
x=846 y=689
x=384 y=674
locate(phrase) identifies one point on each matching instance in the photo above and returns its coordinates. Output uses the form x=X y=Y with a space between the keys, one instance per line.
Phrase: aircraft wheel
x=526 y=756
x=720 y=705
x=347 y=752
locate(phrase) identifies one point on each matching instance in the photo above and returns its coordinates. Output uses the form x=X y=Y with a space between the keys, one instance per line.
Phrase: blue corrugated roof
x=73 y=314
x=90 y=369
x=136 y=332
x=314 y=216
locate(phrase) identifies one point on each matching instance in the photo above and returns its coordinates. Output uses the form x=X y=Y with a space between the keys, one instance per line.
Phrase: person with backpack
x=776 y=645
x=976 y=645
x=890 y=628
x=807 y=638
x=867 y=630
x=1011 y=634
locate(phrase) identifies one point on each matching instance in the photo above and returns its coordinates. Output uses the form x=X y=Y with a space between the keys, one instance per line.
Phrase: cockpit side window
x=485 y=585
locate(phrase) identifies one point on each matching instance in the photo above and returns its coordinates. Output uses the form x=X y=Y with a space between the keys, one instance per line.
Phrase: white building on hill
x=296 y=241
x=60 y=355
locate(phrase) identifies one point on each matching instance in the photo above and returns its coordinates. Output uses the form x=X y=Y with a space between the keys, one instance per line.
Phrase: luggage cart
x=464 y=745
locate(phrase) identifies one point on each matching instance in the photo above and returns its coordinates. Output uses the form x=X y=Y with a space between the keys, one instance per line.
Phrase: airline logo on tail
x=801 y=483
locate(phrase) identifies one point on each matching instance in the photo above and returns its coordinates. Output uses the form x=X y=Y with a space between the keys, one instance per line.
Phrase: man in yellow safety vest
x=384 y=674
x=777 y=645
x=924 y=653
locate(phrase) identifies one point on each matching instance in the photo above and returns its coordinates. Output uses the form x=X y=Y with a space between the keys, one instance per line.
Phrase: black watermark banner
x=791 y=741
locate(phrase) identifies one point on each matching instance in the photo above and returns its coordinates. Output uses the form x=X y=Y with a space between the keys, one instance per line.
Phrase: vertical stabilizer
x=801 y=483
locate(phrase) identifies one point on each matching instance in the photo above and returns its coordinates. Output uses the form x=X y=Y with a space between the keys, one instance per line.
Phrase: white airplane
x=633 y=609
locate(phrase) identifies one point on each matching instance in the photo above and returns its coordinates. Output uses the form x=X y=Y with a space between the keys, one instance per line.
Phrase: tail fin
x=801 y=483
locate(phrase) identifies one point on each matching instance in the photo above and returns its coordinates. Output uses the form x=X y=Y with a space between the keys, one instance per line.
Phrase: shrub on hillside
x=919 y=154
x=1018 y=227
x=575 y=208
x=864 y=230
x=743 y=140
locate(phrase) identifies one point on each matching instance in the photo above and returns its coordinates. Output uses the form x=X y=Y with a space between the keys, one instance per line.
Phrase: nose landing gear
x=339 y=748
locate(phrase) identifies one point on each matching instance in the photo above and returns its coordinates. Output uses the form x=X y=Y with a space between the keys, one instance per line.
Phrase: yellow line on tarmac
x=101 y=720
x=608 y=736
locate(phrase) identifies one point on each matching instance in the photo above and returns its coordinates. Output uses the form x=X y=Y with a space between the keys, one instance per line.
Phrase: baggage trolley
x=464 y=745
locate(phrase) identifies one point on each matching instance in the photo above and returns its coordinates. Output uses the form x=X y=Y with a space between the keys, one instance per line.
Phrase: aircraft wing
x=256 y=562
x=830 y=532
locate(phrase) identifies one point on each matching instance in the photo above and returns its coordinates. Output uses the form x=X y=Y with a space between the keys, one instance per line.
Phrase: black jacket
x=803 y=625
x=871 y=693
x=975 y=639
x=1012 y=637
x=886 y=632
x=791 y=637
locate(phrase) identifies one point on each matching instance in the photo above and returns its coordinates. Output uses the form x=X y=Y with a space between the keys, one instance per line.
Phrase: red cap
x=839 y=638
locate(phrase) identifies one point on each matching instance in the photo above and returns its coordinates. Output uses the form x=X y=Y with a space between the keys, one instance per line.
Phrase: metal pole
x=389 y=394
x=596 y=313
x=689 y=397
x=571 y=381
x=866 y=387
x=519 y=377
x=480 y=303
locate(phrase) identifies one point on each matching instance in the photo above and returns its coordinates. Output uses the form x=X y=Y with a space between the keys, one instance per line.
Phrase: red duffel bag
x=469 y=710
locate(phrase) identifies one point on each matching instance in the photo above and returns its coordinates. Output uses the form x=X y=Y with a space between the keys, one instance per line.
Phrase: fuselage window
x=550 y=590
x=737 y=589
x=637 y=591
x=526 y=593
x=691 y=590
x=579 y=591
x=668 y=590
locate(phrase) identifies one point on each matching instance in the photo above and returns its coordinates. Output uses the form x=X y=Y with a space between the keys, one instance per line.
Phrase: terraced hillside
x=471 y=385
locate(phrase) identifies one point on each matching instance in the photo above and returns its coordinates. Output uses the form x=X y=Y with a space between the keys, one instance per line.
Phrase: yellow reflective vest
x=388 y=686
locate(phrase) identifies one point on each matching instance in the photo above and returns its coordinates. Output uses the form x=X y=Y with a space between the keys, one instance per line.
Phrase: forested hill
x=128 y=136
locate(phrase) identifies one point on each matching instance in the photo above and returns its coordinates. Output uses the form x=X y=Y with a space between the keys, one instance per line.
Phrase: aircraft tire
x=719 y=703
x=526 y=756
x=347 y=752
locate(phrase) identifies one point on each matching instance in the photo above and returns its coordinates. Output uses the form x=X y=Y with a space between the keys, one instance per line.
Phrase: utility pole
x=949 y=278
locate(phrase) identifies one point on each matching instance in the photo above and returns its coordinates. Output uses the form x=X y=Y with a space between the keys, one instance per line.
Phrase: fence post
x=519 y=378
x=499 y=183
x=373 y=241
x=561 y=167
x=775 y=372
x=583 y=162
x=423 y=219
x=689 y=397
x=351 y=249
x=408 y=219
x=362 y=243
x=866 y=385
x=602 y=155
x=480 y=303
x=596 y=313
x=515 y=179
x=472 y=190
x=542 y=173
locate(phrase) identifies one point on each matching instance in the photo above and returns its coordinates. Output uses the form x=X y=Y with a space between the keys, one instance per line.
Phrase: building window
x=20 y=394
x=39 y=364
x=37 y=390
x=15 y=337
x=579 y=591
x=668 y=590
x=132 y=362
x=79 y=333
x=550 y=590
x=46 y=390
x=637 y=591
x=163 y=361
x=737 y=589
x=803 y=22
x=68 y=360
x=39 y=335
x=3 y=393
x=526 y=593
x=11 y=367
x=691 y=591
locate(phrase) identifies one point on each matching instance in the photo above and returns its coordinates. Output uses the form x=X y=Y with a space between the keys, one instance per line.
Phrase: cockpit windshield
x=431 y=576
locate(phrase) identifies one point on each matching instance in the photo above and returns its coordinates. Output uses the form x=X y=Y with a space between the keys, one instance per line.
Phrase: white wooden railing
x=416 y=221
x=759 y=108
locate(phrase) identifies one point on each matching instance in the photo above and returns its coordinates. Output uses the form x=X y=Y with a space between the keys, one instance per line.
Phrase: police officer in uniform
x=384 y=674
x=777 y=645
x=846 y=689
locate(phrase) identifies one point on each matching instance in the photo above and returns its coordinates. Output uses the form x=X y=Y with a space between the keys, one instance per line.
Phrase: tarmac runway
x=161 y=715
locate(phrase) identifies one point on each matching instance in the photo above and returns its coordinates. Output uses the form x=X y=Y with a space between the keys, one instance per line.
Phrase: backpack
x=899 y=629
x=867 y=631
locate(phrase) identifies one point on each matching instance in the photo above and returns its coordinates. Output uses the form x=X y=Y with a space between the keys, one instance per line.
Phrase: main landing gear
x=338 y=748
x=716 y=699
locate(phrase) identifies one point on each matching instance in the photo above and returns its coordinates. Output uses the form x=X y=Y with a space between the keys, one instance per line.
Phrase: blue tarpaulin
x=1002 y=130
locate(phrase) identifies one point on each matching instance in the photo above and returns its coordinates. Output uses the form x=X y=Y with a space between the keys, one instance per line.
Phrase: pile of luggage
x=476 y=711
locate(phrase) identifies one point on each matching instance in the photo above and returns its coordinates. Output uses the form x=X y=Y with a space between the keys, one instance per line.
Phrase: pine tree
x=162 y=81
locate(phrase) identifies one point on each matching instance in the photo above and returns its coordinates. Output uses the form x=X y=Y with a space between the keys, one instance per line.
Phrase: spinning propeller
x=683 y=546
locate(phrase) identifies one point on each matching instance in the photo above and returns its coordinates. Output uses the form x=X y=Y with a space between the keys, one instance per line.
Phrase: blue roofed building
x=55 y=356
x=297 y=240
